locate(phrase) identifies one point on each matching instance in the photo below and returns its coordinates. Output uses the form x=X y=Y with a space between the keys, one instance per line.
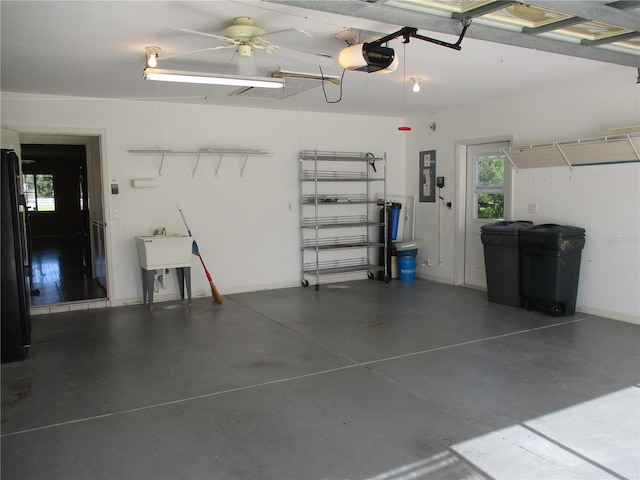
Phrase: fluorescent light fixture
x=162 y=75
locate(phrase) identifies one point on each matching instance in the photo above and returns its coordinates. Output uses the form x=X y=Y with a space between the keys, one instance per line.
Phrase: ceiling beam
x=625 y=4
x=612 y=39
x=567 y=22
x=593 y=11
x=482 y=10
x=433 y=23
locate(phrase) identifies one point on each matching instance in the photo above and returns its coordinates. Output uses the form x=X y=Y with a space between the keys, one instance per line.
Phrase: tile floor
x=361 y=380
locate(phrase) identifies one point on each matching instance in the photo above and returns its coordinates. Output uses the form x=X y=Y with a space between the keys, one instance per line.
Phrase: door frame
x=94 y=142
x=461 y=189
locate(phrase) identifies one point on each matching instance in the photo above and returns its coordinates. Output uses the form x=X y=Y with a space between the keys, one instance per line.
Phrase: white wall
x=246 y=227
x=248 y=235
x=602 y=199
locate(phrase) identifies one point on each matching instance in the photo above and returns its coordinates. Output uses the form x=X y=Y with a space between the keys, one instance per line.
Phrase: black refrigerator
x=16 y=322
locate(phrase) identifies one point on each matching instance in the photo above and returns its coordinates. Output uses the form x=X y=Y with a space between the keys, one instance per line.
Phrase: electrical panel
x=427 y=176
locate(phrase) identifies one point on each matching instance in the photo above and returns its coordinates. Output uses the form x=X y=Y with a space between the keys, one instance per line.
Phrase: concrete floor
x=359 y=380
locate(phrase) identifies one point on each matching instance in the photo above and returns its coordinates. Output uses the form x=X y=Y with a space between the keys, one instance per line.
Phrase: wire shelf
x=337 y=267
x=338 y=222
x=331 y=199
x=328 y=156
x=333 y=176
x=331 y=243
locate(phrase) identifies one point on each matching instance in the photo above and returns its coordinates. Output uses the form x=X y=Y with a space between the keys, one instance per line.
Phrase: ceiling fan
x=244 y=36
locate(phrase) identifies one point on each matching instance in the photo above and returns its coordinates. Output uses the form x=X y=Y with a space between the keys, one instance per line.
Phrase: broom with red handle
x=196 y=251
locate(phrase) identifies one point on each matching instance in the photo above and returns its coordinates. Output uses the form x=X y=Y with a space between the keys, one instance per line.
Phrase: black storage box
x=551 y=267
x=502 y=261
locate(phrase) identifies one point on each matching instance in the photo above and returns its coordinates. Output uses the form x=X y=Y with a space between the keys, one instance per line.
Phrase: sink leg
x=187 y=278
x=180 y=273
x=144 y=285
x=184 y=277
x=150 y=275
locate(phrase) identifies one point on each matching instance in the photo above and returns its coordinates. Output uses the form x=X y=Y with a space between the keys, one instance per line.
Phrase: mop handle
x=184 y=220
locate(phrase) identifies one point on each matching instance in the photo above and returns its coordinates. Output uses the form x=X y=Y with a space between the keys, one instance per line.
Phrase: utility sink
x=164 y=251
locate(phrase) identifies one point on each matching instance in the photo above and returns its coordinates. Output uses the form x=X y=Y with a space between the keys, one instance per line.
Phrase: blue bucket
x=406 y=269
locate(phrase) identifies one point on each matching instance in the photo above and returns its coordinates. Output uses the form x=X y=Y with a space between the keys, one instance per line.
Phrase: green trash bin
x=502 y=261
x=550 y=263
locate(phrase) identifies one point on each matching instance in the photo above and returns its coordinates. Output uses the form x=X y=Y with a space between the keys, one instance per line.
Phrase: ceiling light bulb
x=416 y=84
x=152 y=56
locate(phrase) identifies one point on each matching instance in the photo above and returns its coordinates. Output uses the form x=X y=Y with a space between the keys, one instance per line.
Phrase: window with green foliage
x=489 y=187
x=39 y=192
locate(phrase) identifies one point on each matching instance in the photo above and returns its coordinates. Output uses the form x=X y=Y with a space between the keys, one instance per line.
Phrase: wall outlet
x=440 y=182
x=532 y=208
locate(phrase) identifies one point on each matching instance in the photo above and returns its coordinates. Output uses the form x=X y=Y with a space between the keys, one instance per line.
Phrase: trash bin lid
x=554 y=238
x=505 y=227
x=555 y=231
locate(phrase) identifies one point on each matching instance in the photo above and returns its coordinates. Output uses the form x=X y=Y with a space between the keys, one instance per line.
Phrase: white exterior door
x=488 y=171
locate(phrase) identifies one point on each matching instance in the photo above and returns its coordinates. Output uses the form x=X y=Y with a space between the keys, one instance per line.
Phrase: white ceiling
x=96 y=49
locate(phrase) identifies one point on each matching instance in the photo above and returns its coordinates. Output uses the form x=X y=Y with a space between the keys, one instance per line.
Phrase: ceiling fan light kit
x=244 y=51
x=163 y=75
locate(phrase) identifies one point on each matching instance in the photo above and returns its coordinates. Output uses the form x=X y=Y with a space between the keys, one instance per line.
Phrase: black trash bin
x=550 y=267
x=502 y=261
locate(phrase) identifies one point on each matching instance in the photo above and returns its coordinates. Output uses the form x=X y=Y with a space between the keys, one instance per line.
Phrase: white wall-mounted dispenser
x=144 y=183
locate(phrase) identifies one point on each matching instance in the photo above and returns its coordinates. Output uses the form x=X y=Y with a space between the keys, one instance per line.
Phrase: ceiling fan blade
x=306 y=52
x=196 y=32
x=220 y=47
x=184 y=54
x=287 y=30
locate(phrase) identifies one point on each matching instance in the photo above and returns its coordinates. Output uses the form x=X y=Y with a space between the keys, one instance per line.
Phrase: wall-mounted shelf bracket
x=513 y=164
x=209 y=152
x=564 y=157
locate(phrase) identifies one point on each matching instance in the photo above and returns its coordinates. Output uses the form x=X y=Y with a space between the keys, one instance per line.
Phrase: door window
x=489 y=186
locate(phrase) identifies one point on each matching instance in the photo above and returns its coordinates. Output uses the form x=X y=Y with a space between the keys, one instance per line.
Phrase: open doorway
x=64 y=198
